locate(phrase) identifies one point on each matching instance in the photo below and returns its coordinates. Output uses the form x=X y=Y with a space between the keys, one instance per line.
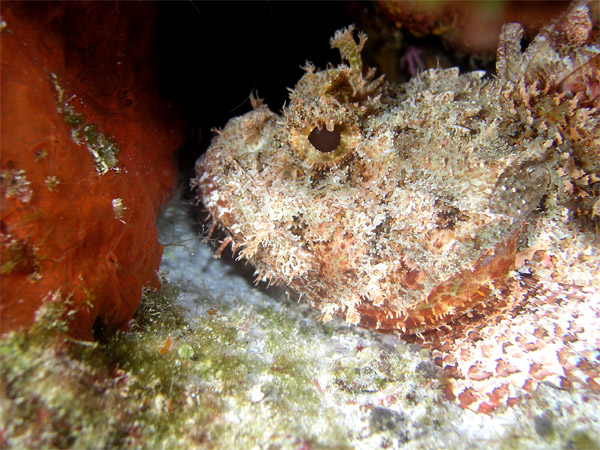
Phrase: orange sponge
x=87 y=161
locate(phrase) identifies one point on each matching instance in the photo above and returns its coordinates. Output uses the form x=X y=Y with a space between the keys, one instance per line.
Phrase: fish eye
x=324 y=140
x=321 y=148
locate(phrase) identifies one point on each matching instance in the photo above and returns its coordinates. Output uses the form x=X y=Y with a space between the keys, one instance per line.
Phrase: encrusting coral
x=87 y=161
x=406 y=208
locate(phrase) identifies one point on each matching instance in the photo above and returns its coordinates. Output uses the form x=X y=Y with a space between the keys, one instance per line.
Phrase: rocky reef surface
x=215 y=362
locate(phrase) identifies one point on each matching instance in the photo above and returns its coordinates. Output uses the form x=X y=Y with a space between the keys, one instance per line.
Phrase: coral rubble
x=87 y=160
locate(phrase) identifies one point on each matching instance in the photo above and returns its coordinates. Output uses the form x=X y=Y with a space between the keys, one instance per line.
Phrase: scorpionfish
x=457 y=210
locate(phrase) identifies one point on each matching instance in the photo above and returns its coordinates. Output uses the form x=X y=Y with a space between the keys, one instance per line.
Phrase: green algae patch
x=170 y=382
x=18 y=255
x=60 y=392
x=581 y=440
x=103 y=149
x=50 y=397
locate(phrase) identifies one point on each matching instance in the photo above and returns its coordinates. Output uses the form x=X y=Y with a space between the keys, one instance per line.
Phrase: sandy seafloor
x=341 y=386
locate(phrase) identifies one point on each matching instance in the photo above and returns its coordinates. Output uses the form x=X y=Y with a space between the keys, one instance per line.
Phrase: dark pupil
x=323 y=140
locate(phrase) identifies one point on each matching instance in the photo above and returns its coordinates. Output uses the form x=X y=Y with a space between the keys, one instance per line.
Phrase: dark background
x=212 y=55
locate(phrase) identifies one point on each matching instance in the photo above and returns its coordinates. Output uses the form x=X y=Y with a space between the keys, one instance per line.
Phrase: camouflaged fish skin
x=405 y=208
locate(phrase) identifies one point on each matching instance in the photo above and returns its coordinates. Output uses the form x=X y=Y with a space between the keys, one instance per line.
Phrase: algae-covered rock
x=213 y=362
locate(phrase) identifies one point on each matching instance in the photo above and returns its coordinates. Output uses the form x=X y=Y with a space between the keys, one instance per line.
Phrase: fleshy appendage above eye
x=324 y=146
x=326 y=108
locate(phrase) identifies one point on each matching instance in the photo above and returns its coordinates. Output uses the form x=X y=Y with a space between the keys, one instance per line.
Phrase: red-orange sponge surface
x=87 y=161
